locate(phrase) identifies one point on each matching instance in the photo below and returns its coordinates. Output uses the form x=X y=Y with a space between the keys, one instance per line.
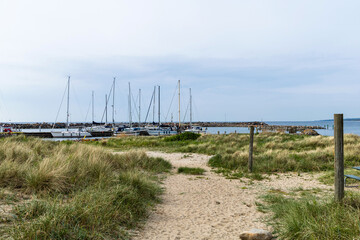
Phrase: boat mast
x=92 y=105
x=106 y=103
x=154 y=104
x=179 y=105
x=159 y=105
x=113 y=105
x=190 y=109
x=130 y=120
x=139 y=107
x=67 y=111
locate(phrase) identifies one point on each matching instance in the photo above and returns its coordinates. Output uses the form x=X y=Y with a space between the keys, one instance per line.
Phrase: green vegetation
x=182 y=137
x=192 y=171
x=77 y=191
x=311 y=218
x=273 y=152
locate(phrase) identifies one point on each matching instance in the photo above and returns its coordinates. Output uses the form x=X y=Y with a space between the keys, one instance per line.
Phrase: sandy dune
x=211 y=207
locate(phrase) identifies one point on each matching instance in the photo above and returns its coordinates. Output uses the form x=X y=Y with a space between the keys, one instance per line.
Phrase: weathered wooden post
x=339 y=156
x=250 y=165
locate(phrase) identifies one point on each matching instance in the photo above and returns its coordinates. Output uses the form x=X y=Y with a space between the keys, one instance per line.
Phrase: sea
x=350 y=127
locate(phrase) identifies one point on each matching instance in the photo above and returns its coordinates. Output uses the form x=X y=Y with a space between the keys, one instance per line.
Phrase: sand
x=211 y=206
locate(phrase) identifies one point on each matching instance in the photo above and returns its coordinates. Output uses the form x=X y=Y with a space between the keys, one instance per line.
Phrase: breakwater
x=260 y=126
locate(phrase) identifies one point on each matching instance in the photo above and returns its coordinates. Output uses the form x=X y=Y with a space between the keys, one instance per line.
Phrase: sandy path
x=211 y=207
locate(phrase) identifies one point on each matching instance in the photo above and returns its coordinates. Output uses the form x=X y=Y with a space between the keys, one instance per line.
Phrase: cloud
x=251 y=59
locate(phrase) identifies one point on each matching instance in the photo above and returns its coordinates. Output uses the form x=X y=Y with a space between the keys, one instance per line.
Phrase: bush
x=183 y=137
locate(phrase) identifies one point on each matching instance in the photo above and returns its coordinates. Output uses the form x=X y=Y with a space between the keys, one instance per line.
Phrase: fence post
x=251 y=148
x=339 y=156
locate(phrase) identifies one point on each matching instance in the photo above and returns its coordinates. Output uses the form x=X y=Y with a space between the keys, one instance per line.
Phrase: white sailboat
x=104 y=130
x=159 y=130
x=194 y=129
x=68 y=133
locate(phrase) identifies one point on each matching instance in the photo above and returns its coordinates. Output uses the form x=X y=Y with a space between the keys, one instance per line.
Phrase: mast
x=130 y=120
x=159 y=105
x=92 y=106
x=154 y=104
x=179 y=105
x=190 y=109
x=106 y=103
x=113 y=105
x=67 y=111
x=139 y=107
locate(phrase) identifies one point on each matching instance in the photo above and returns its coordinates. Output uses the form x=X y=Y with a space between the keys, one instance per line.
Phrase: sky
x=269 y=60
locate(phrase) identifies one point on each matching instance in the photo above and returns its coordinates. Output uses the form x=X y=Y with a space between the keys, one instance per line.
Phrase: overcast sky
x=244 y=60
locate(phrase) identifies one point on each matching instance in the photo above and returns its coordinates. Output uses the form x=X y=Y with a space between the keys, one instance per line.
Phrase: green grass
x=273 y=152
x=311 y=218
x=191 y=171
x=328 y=177
x=78 y=191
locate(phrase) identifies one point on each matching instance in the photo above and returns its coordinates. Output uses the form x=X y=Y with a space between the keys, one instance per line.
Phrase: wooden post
x=251 y=149
x=339 y=156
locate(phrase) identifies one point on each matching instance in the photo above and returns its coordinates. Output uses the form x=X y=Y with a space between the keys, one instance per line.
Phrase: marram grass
x=78 y=191
x=273 y=152
x=313 y=218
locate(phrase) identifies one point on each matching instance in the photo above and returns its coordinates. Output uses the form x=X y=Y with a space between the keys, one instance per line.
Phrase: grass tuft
x=191 y=171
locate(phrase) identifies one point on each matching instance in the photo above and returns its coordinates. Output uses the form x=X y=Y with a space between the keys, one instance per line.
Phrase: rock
x=256 y=234
x=310 y=132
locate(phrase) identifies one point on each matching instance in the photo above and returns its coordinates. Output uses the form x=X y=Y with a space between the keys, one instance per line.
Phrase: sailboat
x=194 y=129
x=103 y=130
x=68 y=133
x=160 y=129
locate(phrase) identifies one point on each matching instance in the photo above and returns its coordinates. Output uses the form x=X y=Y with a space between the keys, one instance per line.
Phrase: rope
x=87 y=113
x=147 y=114
x=171 y=103
x=107 y=102
x=187 y=108
x=62 y=100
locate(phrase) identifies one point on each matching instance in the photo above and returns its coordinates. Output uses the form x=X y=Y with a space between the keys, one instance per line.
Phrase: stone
x=256 y=234
x=310 y=132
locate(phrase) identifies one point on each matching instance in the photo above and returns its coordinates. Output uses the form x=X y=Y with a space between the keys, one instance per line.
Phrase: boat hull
x=70 y=134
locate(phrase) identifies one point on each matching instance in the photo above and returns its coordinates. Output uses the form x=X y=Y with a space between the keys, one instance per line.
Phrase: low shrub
x=183 y=137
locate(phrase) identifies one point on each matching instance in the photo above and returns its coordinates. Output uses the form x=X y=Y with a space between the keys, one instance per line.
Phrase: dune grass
x=273 y=152
x=312 y=218
x=191 y=171
x=77 y=191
